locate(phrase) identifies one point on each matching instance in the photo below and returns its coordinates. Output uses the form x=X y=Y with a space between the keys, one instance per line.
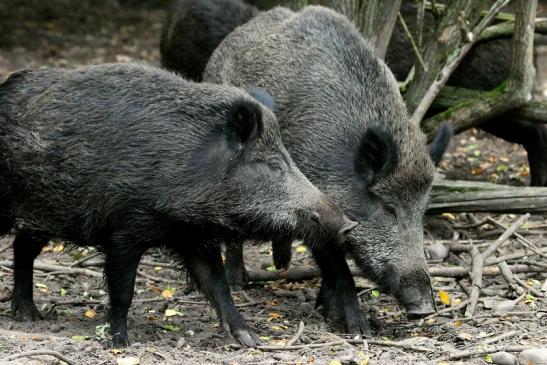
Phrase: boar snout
x=345 y=229
x=416 y=295
x=331 y=219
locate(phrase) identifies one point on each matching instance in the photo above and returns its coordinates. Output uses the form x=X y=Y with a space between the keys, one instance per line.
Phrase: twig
x=155 y=278
x=40 y=352
x=84 y=259
x=515 y=255
x=472 y=225
x=297 y=335
x=498 y=338
x=50 y=267
x=446 y=310
x=508 y=275
x=519 y=237
x=486 y=350
x=451 y=65
x=343 y=342
x=5 y=248
x=476 y=281
x=478 y=263
x=412 y=42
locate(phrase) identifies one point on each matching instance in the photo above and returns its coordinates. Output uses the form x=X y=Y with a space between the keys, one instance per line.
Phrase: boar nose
x=418 y=296
x=346 y=229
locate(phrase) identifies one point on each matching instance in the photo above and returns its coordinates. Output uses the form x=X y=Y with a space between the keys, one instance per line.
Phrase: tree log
x=458 y=196
x=307 y=273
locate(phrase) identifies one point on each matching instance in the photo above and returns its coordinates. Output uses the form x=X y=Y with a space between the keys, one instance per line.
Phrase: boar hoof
x=25 y=312
x=120 y=340
x=246 y=337
x=347 y=319
x=359 y=325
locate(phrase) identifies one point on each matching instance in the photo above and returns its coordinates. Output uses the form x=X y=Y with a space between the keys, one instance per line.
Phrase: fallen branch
x=297 y=335
x=342 y=342
x=514 y=93
x=486 y=350
x=301 y=273
x=458 y=196
x=506 y=29
x=64 y=269
x=479 y=259
x=498 y=338
x=519 y=237
x=442 y=64
x=504 y=267
x=40 y=352
x=446 y=310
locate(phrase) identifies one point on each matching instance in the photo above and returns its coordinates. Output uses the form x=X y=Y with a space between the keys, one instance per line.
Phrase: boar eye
x=390 y=211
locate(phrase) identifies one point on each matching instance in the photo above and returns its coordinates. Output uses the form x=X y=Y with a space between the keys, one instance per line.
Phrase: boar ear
x=244 y=123
x=262 y=96
x=376 y=156
x=440 y=143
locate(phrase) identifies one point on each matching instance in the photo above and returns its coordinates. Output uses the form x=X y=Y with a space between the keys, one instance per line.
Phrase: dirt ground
x=168 y=324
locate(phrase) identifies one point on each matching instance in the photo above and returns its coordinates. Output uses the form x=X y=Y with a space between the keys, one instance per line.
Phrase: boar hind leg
x=26 y=247
x=237 y=275
x=205 y=266
x=337 y=294
x=120 y=269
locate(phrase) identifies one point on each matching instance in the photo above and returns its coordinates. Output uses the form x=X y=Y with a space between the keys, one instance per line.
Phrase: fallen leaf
x=168 y=293
x=58 y=248
x=274 y=316
x=488 y=358
x=529 y=299
x=375 y=293
x=172 y=312
x=116 y=351
x=41 y=287
x=279 y=327
x=444 y=297
x=335 y=362
x=90 y=313
x=271 y=268
x=170 y=327
x=301 y=249
x=80 y=338
x=449 y=216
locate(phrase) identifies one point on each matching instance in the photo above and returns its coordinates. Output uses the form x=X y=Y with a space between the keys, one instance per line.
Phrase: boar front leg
x=338 y=295
x=205 y=266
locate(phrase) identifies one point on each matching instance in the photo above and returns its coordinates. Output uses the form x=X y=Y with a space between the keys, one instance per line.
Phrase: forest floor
x=169 y=325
